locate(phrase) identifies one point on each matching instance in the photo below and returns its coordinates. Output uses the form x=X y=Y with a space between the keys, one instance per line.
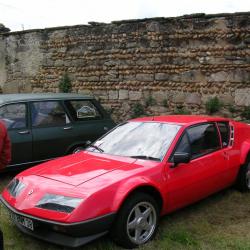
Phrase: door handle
x=105 y=128
x=67 y=128
x=24 y=132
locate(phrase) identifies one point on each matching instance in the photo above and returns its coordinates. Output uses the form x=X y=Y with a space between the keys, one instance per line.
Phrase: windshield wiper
x=96 y=147
x=145 y=157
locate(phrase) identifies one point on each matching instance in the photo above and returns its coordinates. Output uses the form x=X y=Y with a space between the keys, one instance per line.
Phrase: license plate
x=26 y=222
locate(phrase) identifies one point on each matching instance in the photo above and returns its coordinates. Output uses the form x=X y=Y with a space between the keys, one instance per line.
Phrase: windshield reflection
x=142 y=140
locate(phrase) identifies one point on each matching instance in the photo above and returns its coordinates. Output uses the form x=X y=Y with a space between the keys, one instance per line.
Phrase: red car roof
x=182 y=119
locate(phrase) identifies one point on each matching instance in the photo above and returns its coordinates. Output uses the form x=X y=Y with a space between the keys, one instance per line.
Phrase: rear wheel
x=137 y=221
x=243 y=182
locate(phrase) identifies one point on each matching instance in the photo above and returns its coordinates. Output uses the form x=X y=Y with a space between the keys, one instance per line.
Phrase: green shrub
x=246 y=113
x=65 y=84
x=231 y=109
x=213 y=105
x=150 y=101
x=138 y=110
x=181 y=111
x=165 y=103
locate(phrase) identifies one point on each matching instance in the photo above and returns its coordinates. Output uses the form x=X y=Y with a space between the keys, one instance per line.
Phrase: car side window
x=183 y=145
x=14 y=116
x=203 y=139
x=224 y=132
x=48 y=113
x=83 y=109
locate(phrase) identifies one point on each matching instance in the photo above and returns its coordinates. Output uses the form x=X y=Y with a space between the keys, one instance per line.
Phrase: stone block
x=85 y=92
x=135 y=95
x=242 y=97
x=113 y=94
x=161 y=76
x=10 y=88
x=193 y=98
x=123 y=94
x=226 y=99
x=159 y=96
x=158 y=109
x=155 y=60
x=219 y=76
x=145 y=77
x=142 y=62
x=179 y=97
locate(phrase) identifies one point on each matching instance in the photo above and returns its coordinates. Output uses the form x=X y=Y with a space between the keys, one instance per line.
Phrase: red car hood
x=79 y=168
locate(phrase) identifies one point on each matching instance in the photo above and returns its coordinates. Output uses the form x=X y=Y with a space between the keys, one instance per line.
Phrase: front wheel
x=243 y=181
x=137 y=221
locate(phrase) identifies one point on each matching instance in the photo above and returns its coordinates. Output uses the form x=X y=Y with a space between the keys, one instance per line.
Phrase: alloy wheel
x=141 y=222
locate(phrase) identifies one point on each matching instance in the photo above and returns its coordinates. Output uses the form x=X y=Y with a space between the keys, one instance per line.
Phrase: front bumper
x=66 y=234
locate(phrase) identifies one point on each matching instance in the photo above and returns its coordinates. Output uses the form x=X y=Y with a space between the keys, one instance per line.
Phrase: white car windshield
x=143 y=140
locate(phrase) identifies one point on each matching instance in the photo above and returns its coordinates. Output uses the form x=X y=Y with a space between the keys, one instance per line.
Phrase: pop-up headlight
x=59 y=203
x=15 y=187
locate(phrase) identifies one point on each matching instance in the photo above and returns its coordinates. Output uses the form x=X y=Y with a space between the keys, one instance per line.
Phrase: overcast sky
x=32 y=14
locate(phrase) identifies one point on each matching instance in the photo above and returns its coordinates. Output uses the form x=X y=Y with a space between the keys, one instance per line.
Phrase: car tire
x=137 y=221
x=243 y=181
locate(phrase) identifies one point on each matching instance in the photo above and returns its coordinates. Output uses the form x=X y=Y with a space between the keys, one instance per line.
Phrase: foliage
x=213 y=105
x=65 y=84
x=180 y=110
x=165 y=103
x=231 y=109
x=150 y=101
x=246 y=113
x=138 y=110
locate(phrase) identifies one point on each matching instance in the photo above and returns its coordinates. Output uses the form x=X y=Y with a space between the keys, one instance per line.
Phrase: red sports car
x=126 y=180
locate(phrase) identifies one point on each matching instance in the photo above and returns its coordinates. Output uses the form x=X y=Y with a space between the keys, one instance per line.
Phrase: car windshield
x=142 y=140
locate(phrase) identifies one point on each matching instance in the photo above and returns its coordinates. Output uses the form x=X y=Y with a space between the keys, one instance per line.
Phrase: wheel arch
x=143 y=188
x=74 y=145
x=245 y=152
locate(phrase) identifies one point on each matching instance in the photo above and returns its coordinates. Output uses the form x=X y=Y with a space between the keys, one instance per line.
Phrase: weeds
x=213 y=105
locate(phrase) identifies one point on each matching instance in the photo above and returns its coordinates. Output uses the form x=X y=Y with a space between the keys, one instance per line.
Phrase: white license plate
x=26 y=222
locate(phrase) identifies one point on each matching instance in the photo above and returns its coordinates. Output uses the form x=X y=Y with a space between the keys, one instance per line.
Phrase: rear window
x=83 y=110
x=225 y=133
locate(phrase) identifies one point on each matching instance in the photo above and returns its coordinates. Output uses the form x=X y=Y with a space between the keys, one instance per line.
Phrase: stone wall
x=166 y=64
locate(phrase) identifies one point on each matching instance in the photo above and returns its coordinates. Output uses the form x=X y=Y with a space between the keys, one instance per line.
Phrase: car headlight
x=58 y=203
x=15 y=187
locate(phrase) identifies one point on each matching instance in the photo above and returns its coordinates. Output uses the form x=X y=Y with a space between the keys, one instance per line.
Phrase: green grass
x=221 y=221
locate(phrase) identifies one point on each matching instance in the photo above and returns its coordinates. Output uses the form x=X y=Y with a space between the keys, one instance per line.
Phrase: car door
x=88 y=121
x=15 y=117
x=200 y=177
x=50 y=128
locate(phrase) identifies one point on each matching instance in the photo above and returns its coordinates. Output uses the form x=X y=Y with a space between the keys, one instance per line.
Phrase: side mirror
x=181 y=157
